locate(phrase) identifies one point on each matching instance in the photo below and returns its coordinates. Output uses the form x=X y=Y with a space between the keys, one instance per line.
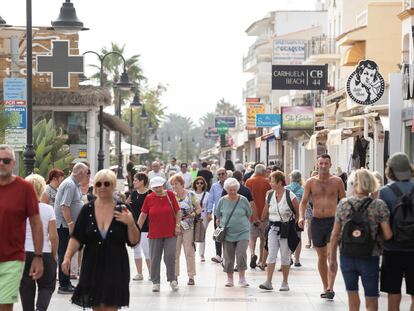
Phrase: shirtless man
x=326 y=191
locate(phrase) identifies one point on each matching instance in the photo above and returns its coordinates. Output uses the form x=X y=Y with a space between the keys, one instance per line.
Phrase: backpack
x=356 y=238
x=402 y=217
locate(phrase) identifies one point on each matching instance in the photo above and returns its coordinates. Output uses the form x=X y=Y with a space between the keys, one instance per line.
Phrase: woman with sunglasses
x=200 y=187
x=103 y=228
x=54 y=179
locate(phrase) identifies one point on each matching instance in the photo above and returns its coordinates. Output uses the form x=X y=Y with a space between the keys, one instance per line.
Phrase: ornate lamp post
x=135 y=103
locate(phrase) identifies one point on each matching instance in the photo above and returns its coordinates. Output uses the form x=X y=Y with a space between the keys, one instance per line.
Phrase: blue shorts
x=367 y=268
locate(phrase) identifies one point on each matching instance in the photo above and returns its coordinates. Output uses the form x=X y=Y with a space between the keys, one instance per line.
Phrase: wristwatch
x=38 y=255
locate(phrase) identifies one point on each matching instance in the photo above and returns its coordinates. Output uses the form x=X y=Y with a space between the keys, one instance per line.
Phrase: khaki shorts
x=258 y=231
x=10 y=275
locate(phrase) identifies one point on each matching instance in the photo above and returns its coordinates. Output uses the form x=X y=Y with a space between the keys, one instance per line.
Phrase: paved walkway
x=210 y=294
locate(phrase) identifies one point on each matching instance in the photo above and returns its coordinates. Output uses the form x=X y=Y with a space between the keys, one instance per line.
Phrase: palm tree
x=224 y=108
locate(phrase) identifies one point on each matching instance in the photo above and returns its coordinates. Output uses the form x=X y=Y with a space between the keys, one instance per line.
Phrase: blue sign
x=268 y=120
x=14 y=89
x=230 y=121
x=16 y=117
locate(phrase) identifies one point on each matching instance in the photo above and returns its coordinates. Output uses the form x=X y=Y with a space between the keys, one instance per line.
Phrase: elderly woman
x=189 y=210
x=233 y=212
x=164 y=226
x=280 y=207
x=200 y=186
x=47 y=283
x=354 y=266
x=103 y=227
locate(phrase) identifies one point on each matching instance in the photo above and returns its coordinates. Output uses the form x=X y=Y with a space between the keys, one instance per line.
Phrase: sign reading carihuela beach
x=299 y=77
x=365 y=85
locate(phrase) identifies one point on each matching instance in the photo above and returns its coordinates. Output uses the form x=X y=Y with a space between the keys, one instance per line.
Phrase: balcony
x=321 y=50
x=249 y=62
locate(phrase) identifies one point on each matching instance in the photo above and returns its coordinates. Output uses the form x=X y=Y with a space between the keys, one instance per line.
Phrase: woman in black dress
x=103 y=228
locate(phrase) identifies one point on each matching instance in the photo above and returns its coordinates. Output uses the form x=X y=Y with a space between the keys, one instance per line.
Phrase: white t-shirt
x=284 y=209
x=188 y=179
x=204 y=204
x=47 y=213
x=153 y=174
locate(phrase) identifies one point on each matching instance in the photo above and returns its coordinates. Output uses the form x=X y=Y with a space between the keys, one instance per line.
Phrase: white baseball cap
x=157 y=182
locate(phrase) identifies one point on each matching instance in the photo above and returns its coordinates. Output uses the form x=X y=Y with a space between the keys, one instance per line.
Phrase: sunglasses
x=199 y=183
x=221 y=174
x=105 y=183
x=6 y=160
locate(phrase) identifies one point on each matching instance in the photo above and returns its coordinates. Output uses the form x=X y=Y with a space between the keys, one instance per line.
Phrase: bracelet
x=70 y=223
x=38 y=255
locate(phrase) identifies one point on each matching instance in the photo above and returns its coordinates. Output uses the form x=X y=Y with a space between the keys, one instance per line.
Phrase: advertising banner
x=288 y=52
x=268 y=120
x=230 y=121
x=253 y=107
x=306 y=77
x=298 y=118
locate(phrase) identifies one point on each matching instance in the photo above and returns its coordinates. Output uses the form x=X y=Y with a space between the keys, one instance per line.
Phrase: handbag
x=199 y=229
x=220 y=233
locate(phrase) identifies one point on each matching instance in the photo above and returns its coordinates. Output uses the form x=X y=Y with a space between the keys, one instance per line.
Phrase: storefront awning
x=354 y=54
x=116 y=124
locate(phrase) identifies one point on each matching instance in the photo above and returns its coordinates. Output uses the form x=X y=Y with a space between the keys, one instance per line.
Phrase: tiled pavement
x=210 y=294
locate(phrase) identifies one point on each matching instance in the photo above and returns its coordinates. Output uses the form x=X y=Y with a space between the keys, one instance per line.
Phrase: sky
x=194 y=47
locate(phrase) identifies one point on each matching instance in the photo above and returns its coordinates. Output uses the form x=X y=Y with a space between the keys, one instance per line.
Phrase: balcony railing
x=320 y=45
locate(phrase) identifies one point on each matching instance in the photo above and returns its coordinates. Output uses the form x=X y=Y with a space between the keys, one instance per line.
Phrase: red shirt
x=18 y=201
x=161 y=216
x=258 y=186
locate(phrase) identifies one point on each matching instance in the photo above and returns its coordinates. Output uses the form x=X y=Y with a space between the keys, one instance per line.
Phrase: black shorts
x=395 y=266
x=321 y=230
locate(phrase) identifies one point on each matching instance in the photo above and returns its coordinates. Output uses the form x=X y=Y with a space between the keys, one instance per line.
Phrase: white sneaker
x=138 y=277
x=216 y=259
x=174 y=285
x=156 y=288
x=284 y=287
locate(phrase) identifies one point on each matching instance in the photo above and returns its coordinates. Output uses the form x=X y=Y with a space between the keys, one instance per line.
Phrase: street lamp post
x=67 y=22
x=136 y=102
x=122 y=84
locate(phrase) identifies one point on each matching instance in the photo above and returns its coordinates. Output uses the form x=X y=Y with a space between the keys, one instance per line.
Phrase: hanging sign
x=299 y=77
x=365 y=85
x=268 y=120
x=253 y=107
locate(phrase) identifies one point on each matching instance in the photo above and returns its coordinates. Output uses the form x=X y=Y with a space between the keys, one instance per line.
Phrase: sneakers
x=253 y=263
x=174 y=285
x=190 y=281
x=216 y=259
x=243 y=283
x=229 y=283
x=266 y=285
x=202 y=259
x=155 y=288
x=138 y=277
x=68 y=290
x=298 y=264
x=328 y=294
x=284 y=287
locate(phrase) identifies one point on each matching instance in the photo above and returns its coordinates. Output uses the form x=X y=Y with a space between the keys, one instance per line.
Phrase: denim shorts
x=367 y=268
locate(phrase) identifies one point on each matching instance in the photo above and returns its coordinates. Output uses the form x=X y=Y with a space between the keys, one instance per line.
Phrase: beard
x=4 y=173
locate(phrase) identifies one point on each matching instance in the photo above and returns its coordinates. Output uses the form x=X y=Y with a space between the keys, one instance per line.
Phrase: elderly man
x=213 y=199
x=18 y=201
x=172 y=168
x=155 y=171
x=68 y=203
x=186 y=175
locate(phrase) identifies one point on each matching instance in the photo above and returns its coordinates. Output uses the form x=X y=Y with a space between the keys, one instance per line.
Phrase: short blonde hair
x=177 y=178
x=38 y=182
x=365 y=182
x=104 y=175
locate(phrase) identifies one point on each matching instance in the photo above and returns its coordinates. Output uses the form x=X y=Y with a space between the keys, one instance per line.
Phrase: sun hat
x=157 y=182
x=400 y=166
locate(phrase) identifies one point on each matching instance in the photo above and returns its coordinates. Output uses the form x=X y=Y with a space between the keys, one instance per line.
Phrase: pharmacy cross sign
x=60 y=64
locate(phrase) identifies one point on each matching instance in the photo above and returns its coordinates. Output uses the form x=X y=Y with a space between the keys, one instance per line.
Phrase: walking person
x=136 y=201
x=232 y=213
x=309 y=216
x=398 y=256
x=103 y=229
x=296 y=187
x=189 y=210
x=47 y=283
x=201 y=193
x=188 y=179
x=206 y=174
x=18 y=202
x=280 y=208
x=68 y=204
x=164 y=215
x=258 y=185
x=213 y=199
x=359 y=221
x=326 y=190
x=54 y=179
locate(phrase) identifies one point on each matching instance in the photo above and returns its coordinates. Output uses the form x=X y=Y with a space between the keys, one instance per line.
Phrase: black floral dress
x=104 y=277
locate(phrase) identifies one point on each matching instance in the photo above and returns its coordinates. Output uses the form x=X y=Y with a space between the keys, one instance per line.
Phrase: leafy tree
x=3 y=123
x=224 y=108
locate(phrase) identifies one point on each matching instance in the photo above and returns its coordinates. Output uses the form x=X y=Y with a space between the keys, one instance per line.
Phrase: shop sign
x=298 y=118
x=303 y=77
x=365 y=85
x=222 y=128
x=288 y=52
x=230 y=121
x=268 y=120
x=253 y=107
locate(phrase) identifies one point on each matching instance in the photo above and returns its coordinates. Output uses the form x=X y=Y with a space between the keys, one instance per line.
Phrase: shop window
x=74 y=125
x=409 y=143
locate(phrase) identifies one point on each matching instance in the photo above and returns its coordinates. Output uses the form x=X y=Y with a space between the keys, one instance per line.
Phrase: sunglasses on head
x=6 y=160
x=105 y=183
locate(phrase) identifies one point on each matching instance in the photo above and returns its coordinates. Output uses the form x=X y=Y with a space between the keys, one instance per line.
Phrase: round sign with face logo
x=365 y=85
x=356 y=233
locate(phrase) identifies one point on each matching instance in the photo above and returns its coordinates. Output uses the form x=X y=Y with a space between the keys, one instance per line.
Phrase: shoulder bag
x=199 y=230
x=220 y=233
